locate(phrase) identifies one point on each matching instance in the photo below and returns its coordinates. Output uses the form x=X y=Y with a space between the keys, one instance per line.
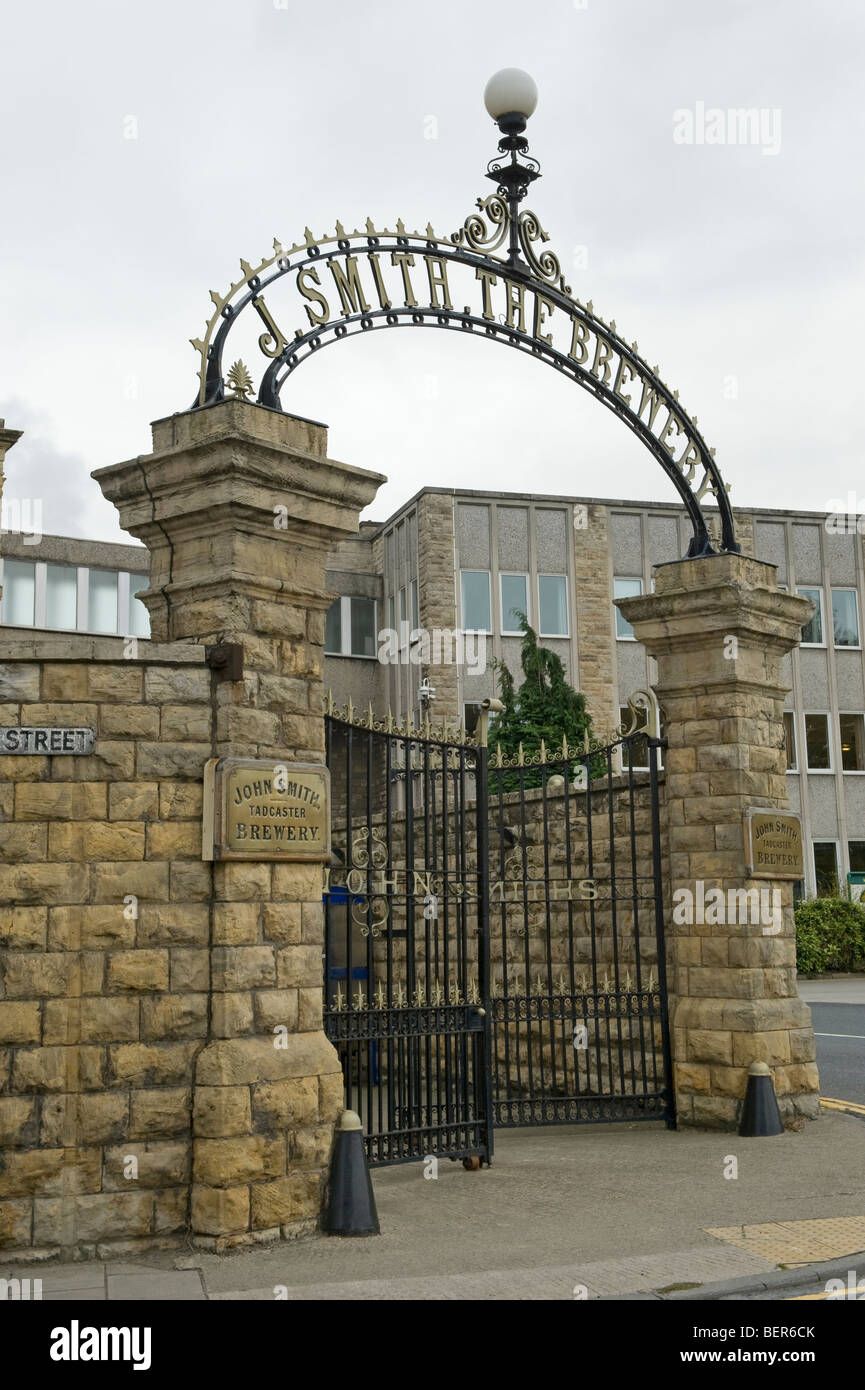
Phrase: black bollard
x=350 y=1204
x=760 y=1114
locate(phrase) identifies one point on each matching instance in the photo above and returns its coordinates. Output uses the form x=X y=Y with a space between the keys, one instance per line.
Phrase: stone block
x=174 y=840
x=144 y=1065
x=281 y=923
x=243 y=967
x=85 y=928
x=121 y=682
x=102 y=1119
x=172 y=760
x=173 y=923
x=277 y=1008
x=229 y=1162
x=137 y=971
x=23 y=928
x=131 y=801
x=236 y=924
x=289 y=1104
x=19 y=1125
x=246 y=1061
x=165 y=685
x=180 y=801
x=222 y=1111
x=190 y=970
x=113 y=882
x=174 y=1016
x=15 y=1221
x=164 y=1110
x=710 y=1046
x=20 y=1021
x=109 y=1020
x=299 y=966
x=219 y=1210
x=231 y=1014
x=241 y=882
x=157 y=1163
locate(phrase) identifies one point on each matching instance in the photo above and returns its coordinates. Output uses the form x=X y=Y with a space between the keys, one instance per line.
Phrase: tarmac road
x=838 y=1012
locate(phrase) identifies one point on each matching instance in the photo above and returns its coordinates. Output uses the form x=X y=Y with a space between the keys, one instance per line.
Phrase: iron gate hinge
x=226 y=658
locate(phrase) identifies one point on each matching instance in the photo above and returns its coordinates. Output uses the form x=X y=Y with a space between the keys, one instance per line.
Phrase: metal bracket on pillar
x=226 y=658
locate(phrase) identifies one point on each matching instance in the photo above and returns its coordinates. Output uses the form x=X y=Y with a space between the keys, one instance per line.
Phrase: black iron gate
x=494 y=934
x=578 y=995
x=406 y=955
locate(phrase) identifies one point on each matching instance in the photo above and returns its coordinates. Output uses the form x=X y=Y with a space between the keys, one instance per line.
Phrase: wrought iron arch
x=598 y=357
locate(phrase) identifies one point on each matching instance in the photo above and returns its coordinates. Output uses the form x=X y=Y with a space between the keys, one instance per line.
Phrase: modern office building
x=428 y=601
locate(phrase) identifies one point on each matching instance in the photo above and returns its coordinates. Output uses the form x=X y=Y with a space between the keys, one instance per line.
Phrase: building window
x=415 y=610
x=19 y=593
x=61 y=597
x=471 y=715
x=138 y=617
x=553 y=605
x=333 y=629
x=362 y=626
x=852 y=742
x=825 y=867
x=350 y=627
x=790 y=741
x=515 y=600
x=817 y=746
x=845 y=618
x=475 y=600
x=102 y=601
x=625 y=588
x=856 y=852
x=812 y=634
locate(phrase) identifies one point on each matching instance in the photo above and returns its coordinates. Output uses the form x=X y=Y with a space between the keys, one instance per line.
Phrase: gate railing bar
x=482 y=812
x=654 y=745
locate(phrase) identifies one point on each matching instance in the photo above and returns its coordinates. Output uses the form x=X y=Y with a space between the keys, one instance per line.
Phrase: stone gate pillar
x=719 y=628
x=238 y=506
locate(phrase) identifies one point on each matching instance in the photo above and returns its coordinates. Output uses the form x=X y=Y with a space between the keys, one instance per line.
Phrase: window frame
x=464 y=626
x=35 y=565
x=806 y=590
x=548 y=574
x=851 y=771
x=513 y=574
x=825 y=840
x=794 y=769
x=827 y=715
x=846 y=589
x=628 y=579
x=345 y=602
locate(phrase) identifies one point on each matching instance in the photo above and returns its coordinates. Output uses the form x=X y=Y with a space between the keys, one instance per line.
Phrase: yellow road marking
x=851 y=1107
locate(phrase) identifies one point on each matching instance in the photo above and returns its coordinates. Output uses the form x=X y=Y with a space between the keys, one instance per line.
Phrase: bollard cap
x=350 y=1120
x=759 y=1069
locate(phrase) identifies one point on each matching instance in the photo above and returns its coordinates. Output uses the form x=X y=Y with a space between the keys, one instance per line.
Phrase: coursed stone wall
x=124 y=955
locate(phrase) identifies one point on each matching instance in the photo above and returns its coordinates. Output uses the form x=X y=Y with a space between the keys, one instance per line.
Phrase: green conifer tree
x=545 y=707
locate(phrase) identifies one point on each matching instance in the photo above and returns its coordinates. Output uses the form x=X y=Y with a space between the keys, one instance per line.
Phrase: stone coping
x=16 y=645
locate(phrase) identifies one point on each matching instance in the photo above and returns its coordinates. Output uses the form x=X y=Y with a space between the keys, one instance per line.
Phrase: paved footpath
x=614 y=1209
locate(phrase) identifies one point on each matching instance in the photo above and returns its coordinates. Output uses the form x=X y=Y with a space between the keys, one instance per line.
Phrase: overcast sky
x=738 y=268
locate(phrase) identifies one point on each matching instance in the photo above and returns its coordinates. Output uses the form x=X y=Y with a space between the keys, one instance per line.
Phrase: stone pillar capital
x=699 y=605
x=237 y=505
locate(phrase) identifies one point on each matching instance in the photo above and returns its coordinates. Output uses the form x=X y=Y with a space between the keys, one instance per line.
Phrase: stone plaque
x=773 y=843
x=24 y=738
x=256 y=808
